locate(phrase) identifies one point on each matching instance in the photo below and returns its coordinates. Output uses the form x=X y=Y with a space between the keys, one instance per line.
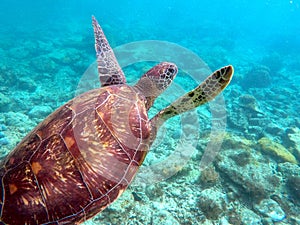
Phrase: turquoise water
x=46 y=48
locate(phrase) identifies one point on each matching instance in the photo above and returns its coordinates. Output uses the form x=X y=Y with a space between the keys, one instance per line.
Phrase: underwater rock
x=293 y=136
x=295 y=220
x=19 y=125
x=249 y=103
x=3 y=138
x=4 y=141
x=291 y=174
x=162 y=216
x=247 y=100
x=248 y=217
x=241 y=157
x=40 y=111
x=216 y=56
x=66 y=56
x=233 y=216
x=209 y=176
x=259 y=73
x=3 y=127
x=137 y=196
x=297 y=122
x=4 y=103
x=273 y=129
x=154 y=191
x=18 y=53
x=246 y=116
x=293 y=184
x=2 y=135
x=277 y=150
x=256 y=122
x=207 y=222
x=26 y=84
x=288 y=169
x=16 y=119
x=256 y=130
x=212 y=203
x=273 y=61
x=44 y=64
x=256 y=179
x=223 y=221
x=271 y=209
x=232 y=141
x=237 y=119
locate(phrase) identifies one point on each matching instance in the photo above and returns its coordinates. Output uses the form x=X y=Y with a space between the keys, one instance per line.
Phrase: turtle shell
x=78 y=160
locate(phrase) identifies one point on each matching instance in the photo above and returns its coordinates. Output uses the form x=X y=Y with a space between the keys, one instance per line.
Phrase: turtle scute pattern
x=78 y=160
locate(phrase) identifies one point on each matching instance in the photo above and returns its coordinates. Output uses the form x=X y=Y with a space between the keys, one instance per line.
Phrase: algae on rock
x=277 y=150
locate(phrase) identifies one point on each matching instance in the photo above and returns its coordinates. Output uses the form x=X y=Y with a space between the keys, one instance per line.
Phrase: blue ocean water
x=252 y=131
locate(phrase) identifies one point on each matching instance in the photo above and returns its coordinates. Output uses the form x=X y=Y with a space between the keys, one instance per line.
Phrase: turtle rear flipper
x=109 y=70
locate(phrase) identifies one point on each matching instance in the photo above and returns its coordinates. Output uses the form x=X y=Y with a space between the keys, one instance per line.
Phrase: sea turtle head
x=162 y=75
x=156 y=80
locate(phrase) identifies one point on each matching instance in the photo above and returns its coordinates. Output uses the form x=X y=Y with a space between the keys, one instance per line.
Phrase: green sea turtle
x=83 y=156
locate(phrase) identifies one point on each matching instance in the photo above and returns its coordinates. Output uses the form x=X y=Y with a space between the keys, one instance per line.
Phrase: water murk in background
x=255 y=179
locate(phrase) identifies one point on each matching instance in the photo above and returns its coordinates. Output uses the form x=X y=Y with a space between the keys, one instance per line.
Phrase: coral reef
x=257 y=77
x=255 y=179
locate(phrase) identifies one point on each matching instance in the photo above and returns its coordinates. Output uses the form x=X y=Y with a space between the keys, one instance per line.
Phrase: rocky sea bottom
x=254 y=175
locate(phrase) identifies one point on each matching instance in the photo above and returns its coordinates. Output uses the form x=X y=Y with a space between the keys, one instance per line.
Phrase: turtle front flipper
x=206 y=91
x=109 y=70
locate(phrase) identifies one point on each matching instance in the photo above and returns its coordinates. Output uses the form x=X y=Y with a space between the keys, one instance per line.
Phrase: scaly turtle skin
x=85 y=154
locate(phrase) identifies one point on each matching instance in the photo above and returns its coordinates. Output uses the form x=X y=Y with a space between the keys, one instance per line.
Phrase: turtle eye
x=171 y=70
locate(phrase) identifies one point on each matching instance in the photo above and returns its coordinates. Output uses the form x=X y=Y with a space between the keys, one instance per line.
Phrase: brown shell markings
x=77 y=161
